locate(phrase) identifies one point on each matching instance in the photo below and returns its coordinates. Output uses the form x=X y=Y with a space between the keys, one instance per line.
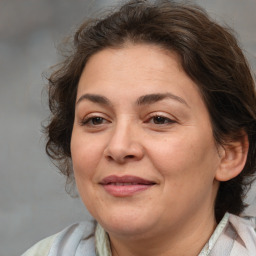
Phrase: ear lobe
x=233 y=159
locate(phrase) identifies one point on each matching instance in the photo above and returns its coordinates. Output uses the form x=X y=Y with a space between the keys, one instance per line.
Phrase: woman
x=154 y=116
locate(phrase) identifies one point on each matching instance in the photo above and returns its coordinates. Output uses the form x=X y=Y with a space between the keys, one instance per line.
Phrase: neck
x=187 y=241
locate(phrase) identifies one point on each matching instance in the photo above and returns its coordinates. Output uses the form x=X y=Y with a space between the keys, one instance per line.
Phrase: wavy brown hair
x=210 y=55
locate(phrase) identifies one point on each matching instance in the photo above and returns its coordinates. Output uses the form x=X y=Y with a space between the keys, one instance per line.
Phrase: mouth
x=125 y=186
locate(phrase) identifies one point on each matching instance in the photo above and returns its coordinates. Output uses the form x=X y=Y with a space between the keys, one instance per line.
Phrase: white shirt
x=234 y=236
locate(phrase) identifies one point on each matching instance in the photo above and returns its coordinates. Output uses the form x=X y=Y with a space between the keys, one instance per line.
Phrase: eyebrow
x=153 y=98
x=142 y=100
x=95 y=98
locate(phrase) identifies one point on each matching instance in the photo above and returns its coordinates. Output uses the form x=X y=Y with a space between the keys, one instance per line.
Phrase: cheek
x=85 y=155
x=185 y=156
x=187 y=167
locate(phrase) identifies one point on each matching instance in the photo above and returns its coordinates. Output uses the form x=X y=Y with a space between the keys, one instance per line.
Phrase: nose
x=124 y=145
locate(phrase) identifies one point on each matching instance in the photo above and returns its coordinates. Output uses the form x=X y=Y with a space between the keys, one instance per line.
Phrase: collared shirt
x=229 y=238
x=103 y=245
x=234 y=236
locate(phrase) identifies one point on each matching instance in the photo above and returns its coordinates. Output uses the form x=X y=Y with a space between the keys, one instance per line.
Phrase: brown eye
x=161 y=120
x=94 y=121
x=97 y=120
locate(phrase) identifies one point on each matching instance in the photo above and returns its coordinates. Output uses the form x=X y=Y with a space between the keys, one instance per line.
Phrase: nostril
x=123 y=154
x=130 y=156
x=109 y=158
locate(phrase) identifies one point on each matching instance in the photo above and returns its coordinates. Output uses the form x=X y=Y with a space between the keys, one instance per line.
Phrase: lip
x=124 y=186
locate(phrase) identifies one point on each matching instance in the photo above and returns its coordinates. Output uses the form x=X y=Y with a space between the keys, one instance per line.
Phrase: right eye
x=94 y=121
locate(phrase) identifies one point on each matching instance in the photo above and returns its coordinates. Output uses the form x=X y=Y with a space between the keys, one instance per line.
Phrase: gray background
x=33 y=201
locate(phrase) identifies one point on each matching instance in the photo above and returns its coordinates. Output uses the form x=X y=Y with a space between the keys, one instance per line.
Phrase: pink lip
x=125 y=186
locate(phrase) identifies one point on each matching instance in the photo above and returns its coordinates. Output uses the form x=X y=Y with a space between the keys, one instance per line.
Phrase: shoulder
x=41 y=248
x=244 y=226
x=246 y=235
x=71 y=240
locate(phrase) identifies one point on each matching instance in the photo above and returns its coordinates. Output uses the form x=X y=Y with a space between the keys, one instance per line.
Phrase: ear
x=233 y=158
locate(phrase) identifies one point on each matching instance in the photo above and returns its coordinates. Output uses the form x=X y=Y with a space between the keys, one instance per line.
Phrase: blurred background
x=33 y=201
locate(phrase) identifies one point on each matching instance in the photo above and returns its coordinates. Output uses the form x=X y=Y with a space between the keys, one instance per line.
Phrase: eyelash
x=89 y=121
x=162 y=120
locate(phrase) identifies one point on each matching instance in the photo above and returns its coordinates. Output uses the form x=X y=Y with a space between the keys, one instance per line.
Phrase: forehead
x=136 y=69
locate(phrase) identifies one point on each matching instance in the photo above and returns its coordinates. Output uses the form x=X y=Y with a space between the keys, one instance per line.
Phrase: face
x=143 y=152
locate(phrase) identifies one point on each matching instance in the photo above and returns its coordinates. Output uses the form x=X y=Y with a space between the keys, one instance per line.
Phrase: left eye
x=97 y=120
x=160 y=120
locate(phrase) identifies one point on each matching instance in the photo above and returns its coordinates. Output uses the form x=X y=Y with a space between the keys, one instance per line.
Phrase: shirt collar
x=103 y=245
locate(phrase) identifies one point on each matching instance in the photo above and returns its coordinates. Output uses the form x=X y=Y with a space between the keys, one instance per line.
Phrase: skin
x=121 y=137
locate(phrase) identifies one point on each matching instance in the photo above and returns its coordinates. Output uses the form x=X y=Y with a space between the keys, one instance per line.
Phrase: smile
x=125 y=186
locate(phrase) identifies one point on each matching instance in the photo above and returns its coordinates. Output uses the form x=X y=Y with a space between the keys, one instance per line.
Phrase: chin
x=124 y=223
